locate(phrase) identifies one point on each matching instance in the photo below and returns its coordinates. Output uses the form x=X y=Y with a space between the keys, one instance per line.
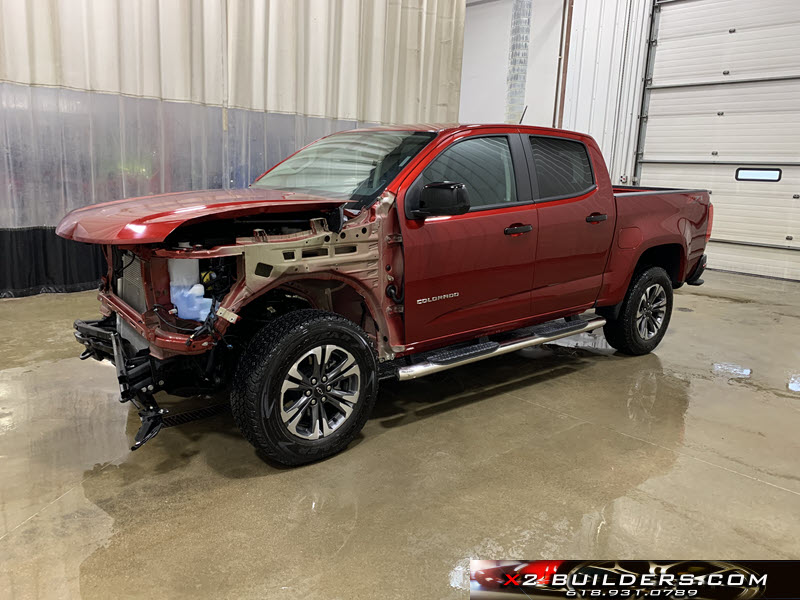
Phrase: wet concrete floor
x=568 y=451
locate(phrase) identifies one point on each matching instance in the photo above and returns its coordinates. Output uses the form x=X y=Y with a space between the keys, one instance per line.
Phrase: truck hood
x=150 y=219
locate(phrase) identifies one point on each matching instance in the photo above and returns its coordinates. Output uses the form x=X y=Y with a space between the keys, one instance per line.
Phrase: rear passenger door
x=576 y=224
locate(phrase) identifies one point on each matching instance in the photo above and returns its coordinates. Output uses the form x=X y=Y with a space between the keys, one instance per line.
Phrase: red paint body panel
x=482 y=280
x=470 y=255
x=572 y=254
x=151 y=219
x=575 y=265
x=677 y=217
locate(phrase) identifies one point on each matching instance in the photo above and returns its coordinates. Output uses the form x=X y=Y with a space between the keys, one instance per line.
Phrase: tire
x=291 y=420
x=626 y=333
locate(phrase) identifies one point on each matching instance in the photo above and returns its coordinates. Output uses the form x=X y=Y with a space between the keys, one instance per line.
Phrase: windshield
x=354 y=165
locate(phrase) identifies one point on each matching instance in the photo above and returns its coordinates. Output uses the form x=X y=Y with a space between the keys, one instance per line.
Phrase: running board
x=535 y=336
x=459 y=355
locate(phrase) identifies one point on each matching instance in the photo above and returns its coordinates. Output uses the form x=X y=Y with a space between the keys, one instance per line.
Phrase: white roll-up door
x=721 y=111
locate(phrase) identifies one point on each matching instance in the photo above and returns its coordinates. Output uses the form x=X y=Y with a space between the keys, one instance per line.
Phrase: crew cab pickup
x=377 y=253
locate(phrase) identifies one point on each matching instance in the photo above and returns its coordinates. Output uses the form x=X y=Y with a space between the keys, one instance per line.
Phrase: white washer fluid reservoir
x=185 y=289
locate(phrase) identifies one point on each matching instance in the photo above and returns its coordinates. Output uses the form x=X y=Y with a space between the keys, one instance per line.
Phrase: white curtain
x=383 y=61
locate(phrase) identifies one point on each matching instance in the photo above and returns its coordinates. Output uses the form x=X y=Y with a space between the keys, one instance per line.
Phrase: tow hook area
x=151 y=416
x=136 y=385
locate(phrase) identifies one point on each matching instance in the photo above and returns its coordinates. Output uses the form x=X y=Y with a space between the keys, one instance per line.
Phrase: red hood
x=150 y=219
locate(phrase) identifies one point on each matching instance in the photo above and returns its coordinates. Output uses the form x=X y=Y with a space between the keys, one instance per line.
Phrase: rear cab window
x=561 y=167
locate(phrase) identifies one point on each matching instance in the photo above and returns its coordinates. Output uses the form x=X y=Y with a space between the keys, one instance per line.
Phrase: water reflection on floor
x=563 y=451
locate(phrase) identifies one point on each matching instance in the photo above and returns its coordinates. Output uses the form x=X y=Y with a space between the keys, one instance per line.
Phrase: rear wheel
x=305 y=386
x=644 y=315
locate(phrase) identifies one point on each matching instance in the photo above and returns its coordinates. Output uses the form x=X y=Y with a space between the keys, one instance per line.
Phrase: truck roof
x=455 y=127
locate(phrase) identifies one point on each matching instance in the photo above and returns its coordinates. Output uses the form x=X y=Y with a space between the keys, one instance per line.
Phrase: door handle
x=517 y=229
x=596 y=218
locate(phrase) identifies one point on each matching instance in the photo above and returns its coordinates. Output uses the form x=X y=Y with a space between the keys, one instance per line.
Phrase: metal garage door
x=722 y=97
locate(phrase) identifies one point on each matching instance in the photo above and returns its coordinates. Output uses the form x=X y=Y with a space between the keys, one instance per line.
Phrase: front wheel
x=644 y=315
x=305 y=386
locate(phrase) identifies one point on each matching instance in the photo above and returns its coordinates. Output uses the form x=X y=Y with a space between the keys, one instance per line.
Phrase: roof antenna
x=522 y=116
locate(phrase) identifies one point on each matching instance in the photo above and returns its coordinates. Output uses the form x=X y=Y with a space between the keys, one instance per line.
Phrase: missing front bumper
x=137 y=371
x=95 y=336
x=137 y=376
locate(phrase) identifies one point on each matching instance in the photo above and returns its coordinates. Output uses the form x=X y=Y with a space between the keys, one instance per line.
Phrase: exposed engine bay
x=179 y=313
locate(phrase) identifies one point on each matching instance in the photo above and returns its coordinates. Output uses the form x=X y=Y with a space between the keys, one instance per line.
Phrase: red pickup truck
x=377 y=253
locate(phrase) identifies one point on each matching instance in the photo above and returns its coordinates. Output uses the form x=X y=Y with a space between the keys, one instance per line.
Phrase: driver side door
x=465 y=273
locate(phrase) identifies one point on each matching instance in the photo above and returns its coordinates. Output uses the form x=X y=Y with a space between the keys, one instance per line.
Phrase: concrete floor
x=563 y=452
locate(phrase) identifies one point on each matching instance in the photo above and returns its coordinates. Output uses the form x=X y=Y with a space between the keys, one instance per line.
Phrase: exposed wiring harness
x=118 y=272
x=396 y=295
x=163 y=320
x=206 y=327
x=217 y=280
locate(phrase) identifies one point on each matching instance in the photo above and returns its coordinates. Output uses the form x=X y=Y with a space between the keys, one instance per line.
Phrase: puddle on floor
x=732 y=371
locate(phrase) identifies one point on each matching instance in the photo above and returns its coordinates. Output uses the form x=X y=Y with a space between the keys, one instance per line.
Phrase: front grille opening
x=129 y=282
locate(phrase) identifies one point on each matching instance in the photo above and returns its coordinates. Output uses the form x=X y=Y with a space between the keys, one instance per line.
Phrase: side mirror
x=442 y=198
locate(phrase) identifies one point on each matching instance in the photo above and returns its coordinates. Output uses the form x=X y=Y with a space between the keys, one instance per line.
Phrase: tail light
x=710 y=221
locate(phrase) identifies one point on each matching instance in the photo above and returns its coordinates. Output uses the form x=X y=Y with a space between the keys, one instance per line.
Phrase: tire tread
x=619 y=333
x=266 y=347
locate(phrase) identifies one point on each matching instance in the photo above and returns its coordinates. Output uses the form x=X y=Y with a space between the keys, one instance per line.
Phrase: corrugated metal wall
x=166 y=49
x=607 y=53
x=484 y=70
x=608 y=48
x=722 y=96
x=605 y=50
x=389 y=61
x=103 y=99
x=717 y=89
x=720 y=93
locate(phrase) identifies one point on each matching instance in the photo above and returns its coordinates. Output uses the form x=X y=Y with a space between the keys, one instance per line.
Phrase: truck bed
x=649 y=217
x=630 y=190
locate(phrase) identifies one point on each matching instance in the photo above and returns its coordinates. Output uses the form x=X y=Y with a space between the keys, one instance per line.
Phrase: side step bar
x=537 y=336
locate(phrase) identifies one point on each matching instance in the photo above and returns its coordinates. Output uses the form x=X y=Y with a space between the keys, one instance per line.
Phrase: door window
x=483 y=165
x=562 y=167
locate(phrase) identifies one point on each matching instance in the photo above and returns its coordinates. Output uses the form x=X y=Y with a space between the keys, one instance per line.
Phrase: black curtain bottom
x=36 y=261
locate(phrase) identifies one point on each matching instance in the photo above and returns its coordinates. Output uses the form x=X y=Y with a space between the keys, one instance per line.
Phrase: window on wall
x=483 y=165
x=562 y=167
x=749 y=174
